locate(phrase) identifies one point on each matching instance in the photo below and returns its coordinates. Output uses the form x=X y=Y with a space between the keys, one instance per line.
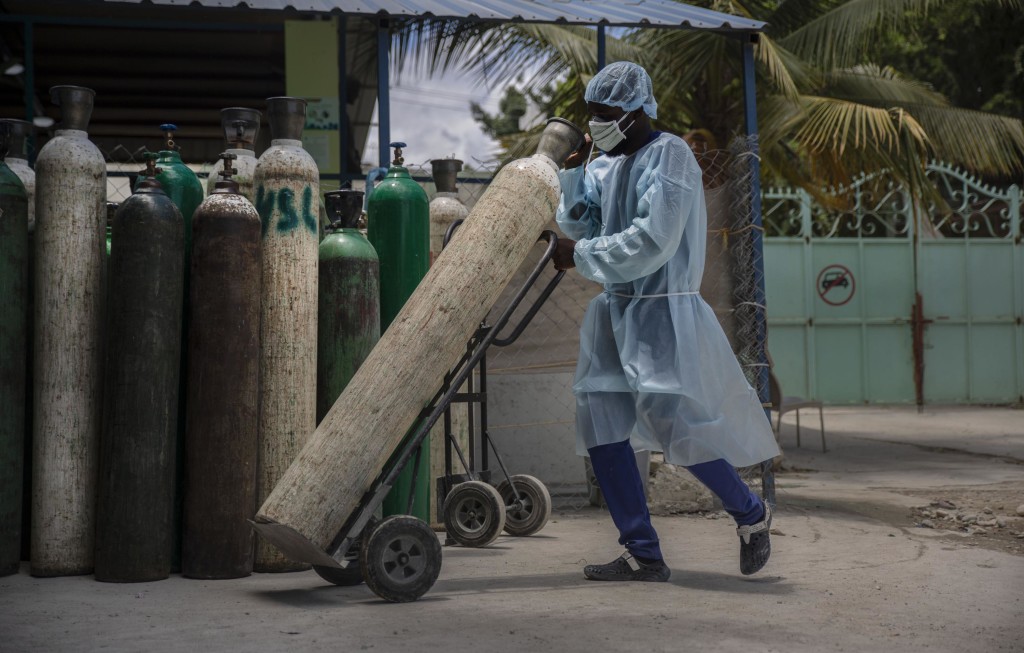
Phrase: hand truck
x=399 y=557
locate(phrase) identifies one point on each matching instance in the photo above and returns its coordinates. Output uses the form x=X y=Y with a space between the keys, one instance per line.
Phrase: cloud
x=431 y=115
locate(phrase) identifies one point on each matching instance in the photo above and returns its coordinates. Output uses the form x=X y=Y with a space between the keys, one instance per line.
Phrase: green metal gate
x=871 y=305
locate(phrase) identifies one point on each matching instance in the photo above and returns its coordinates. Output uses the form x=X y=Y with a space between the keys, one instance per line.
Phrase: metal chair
x=784 y=404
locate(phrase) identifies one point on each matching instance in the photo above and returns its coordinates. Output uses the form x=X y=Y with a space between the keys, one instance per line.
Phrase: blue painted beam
x=750 y=125
x=600 y=47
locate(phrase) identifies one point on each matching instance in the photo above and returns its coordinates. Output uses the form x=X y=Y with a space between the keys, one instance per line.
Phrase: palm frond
x=995 y=145
x=497 y=54
x=786 y=72
x=845 y=34
x=840 y=139
x=678 y=57
x=840 y=37
x=785 y=17
x=838 y=125
x=984 y=143
x=879 y=86
x=778 y=118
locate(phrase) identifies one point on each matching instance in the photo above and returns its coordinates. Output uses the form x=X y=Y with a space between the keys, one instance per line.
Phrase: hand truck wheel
x=400 y=558
x=530 y=511
x=474 y=514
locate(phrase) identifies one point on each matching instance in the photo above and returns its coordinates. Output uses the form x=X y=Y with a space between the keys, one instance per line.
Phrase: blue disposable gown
x=654 y=363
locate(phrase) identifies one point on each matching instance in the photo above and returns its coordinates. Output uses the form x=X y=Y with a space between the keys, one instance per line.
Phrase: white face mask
x=608 y=134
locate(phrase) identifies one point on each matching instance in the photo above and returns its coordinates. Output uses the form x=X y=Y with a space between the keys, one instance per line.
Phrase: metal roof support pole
x=750 y=121
x=383 y=96
x=600 y=47
x=757 y=235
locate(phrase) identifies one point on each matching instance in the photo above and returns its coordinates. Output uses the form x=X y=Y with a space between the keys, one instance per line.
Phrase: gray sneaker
x=626 y=567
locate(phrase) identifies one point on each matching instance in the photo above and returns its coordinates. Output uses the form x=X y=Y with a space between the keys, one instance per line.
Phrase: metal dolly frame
x=399 y=557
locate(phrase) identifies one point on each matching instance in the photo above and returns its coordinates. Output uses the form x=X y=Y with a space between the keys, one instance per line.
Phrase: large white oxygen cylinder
x=241 y=126
x=287 y=186
x=71 y=187
x=445 y=209
x=383 y=400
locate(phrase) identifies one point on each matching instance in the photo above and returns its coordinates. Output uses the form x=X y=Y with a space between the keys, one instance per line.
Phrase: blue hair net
x=623 y=84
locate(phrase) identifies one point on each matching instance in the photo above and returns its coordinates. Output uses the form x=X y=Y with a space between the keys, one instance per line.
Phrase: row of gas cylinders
x=155 y=389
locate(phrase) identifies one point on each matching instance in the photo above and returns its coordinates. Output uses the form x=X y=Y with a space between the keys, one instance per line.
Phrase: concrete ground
x=852 y=570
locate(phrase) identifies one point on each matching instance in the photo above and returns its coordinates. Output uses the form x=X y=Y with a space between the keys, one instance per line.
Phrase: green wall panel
x=945 y=364
x=993 y=364
x=837 y=357
x=990 y=284
x=941 y=279
x=785 y=279
x=887 y=279
x=788 y=348
x=889 y=364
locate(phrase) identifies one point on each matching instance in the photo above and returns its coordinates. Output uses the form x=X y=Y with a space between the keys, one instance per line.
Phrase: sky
x=431 y=115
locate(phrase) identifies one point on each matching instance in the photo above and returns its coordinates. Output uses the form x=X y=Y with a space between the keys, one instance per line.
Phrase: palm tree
x=826 y=110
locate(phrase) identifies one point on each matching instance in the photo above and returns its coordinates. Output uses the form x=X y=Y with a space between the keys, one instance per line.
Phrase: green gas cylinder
x=111 y=210
x=13 y=340
x=348 y=322
x=179 y=183
x=398 y=226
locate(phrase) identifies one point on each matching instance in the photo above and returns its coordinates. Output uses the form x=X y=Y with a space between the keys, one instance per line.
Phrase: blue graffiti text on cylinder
x=284 y=199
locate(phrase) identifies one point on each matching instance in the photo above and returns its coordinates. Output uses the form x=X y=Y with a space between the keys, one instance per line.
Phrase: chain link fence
x=531 y=408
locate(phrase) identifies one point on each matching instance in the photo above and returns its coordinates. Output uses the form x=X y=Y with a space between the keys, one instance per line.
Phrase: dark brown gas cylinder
x=137 y=459
x=221 y=435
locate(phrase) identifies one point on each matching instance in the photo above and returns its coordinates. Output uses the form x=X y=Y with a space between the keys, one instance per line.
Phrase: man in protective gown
x=655 y=369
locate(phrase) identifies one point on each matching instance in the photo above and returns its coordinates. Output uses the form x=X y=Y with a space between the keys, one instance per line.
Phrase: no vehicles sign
x=835 y=285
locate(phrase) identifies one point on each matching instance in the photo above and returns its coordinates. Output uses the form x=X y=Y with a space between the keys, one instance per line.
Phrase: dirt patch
x=983 y=516
x=673 y=490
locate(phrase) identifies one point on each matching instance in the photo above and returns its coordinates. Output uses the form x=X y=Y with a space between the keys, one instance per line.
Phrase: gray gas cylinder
x=445 y=208
x=241 y=127
x=71 y=188
x=287 y=186
x=17 y=161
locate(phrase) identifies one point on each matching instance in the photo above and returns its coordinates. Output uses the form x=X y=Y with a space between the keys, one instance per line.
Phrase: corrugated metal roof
x=631 y=13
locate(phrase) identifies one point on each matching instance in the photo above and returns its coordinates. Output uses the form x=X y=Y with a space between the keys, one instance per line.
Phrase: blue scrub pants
x=615 y=469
